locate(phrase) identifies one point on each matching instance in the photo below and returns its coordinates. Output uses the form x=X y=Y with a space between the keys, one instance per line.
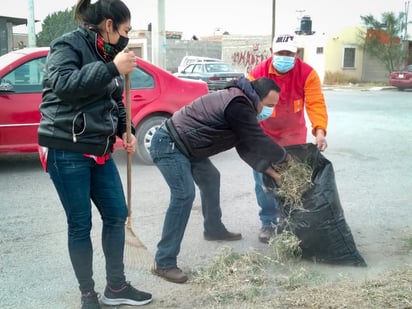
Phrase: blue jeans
x=78 y=181
x=181 y=174
x=269 y=209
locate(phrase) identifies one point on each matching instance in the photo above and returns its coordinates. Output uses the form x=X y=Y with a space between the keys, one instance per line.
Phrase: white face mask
x=265 y=113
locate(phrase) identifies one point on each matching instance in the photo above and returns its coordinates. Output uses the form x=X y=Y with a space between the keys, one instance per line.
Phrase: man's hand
x=321 y=140
x=275 y=175
x=130 y=147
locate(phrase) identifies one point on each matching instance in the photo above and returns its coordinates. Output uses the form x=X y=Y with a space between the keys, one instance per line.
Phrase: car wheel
x=144 y=135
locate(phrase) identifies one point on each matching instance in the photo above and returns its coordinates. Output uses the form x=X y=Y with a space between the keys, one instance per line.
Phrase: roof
x=15 y=20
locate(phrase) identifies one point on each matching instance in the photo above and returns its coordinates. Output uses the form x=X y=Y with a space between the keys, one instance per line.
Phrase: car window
x=218 y=67
x=140 y=79
x=408 y=68
x=189 y=68
x=197 y=68
x=26 y=78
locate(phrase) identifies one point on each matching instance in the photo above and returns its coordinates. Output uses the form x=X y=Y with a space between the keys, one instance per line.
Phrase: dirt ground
x=370 y=143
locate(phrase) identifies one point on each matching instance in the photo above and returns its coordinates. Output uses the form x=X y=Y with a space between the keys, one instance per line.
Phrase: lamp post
x=30 y=24
x=405 y=35
x=273 y=18
x=159 y=36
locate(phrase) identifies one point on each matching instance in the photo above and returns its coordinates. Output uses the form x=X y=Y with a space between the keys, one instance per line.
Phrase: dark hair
x=263 y=86
x=95 y=13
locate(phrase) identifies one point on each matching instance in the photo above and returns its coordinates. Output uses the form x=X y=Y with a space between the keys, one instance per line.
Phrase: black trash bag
x=320 y=225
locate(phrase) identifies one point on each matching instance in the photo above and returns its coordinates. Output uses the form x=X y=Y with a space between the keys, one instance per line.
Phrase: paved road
x=370 y=142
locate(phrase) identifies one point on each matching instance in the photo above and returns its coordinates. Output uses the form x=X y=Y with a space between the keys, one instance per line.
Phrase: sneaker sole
x=124 y=301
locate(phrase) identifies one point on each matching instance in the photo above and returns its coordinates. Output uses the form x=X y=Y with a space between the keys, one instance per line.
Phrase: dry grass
x=233 y=277
x=252 y=280
x=338 y=78
x=295 y=179
x=279 y=280
x=285 y=247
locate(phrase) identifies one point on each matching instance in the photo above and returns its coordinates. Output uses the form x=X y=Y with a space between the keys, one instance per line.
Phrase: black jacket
x=82 y=107
x=222 y=120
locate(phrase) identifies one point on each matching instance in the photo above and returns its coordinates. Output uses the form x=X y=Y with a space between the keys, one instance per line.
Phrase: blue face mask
x=283 y=64
x=265 y=113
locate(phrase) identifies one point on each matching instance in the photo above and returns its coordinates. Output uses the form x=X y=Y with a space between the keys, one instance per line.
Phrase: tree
x=381 y=39
x=55 y=25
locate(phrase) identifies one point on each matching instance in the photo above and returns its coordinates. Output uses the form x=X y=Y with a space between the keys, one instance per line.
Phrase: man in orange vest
x=300 y=89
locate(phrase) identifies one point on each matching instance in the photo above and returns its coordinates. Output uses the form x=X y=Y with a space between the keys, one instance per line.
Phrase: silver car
x=215 y=74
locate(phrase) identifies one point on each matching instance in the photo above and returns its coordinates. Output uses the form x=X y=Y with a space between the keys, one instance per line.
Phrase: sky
x=202 y=18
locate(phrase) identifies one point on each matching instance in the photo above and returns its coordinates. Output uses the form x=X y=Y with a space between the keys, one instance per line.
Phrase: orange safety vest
x=300 y=89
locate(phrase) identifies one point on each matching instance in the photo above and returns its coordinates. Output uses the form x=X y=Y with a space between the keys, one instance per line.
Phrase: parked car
x=155 y=95
x=186 y=60
x=215 y=74
x=402 y=79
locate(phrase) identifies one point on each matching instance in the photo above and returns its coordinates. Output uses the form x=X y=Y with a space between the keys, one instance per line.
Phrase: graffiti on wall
x=247 y=59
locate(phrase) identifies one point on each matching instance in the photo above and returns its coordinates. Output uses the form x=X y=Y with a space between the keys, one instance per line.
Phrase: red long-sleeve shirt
x=300 y=89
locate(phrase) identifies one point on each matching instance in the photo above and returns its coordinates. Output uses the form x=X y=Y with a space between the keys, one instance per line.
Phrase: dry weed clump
x=233 y=276
x=295 y=179
x=285 y=246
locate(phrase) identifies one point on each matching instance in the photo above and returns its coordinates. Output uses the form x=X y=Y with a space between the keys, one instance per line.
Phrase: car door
x=20 y=96
x=144 y=86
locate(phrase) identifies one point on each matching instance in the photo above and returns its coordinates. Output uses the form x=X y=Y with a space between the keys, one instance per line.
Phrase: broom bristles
x=136 y=253
x=131 y=239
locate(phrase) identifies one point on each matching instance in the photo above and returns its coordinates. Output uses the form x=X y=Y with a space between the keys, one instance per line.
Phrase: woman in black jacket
x=82 y=112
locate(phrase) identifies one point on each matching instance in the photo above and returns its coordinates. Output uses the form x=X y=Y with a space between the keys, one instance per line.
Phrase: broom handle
x=129 y=155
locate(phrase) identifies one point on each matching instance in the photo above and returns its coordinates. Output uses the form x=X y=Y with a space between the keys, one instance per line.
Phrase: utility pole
x=405 y=36
x=30 y=25
x=159 y=36
x=273 y=18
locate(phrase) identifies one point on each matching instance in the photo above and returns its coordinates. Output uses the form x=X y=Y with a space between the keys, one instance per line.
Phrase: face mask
x=283 y=64
x=265 y=113
x=121 y=44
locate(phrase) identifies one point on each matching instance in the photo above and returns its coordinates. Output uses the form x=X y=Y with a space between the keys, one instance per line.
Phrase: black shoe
x=126 y=295
x=229 y=236
x=90 y=300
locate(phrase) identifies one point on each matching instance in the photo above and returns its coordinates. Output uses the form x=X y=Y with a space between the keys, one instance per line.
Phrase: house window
x=319 y=50
x=349 y=57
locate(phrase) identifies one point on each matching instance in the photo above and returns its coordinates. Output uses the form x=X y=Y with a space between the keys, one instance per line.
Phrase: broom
x=136 y=253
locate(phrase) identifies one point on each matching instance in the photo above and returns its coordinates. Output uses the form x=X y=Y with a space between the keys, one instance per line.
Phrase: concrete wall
x=245 y=52
x=242 y=52
x=374 y=70
x=175 y=50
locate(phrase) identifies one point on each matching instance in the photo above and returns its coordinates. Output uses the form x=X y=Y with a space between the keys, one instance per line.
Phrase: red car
x=402 y=79
x=155 y=95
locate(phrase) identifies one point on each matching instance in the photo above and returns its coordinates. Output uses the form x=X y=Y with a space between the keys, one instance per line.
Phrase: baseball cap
x=285 y=42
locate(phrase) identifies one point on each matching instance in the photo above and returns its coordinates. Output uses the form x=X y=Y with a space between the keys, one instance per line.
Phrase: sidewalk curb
x=378 y=88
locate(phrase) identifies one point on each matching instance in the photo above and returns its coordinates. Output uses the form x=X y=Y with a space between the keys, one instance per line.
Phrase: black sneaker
x=126 y=295
x=90 y=300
